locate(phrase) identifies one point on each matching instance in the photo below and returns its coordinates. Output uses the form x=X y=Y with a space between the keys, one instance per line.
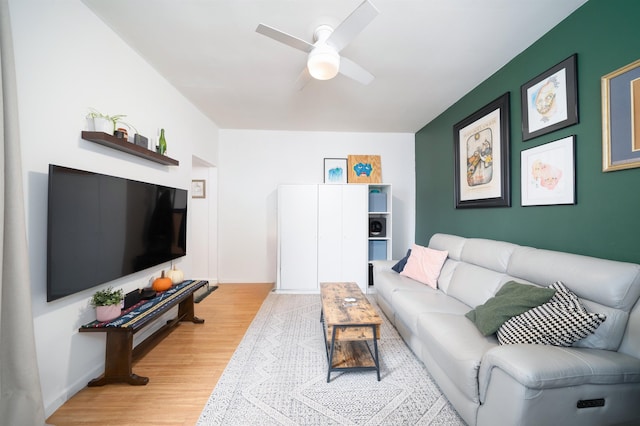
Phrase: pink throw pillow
x=424 y=265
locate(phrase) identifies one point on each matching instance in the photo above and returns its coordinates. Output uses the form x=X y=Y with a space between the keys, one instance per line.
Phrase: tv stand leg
x=118 y=360
x=186 y=312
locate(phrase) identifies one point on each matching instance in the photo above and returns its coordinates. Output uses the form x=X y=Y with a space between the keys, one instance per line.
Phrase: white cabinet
x=322 y=235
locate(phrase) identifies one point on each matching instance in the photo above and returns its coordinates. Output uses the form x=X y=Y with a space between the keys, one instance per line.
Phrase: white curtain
x=20 y=393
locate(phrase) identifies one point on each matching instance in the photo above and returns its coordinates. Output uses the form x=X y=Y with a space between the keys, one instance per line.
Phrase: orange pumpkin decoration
x=162 y=284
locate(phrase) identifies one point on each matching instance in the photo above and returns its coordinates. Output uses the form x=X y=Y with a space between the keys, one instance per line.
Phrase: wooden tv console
x=120 y=352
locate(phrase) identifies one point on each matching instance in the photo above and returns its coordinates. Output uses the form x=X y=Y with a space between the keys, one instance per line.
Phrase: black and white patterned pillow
x=561 y=321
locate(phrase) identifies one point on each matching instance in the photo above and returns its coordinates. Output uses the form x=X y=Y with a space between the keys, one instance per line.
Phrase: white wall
x=203 y=235
x=254 y=163
x=66 y=61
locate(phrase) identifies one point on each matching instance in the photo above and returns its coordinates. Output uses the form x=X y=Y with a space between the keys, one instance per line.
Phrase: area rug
x=278 y=376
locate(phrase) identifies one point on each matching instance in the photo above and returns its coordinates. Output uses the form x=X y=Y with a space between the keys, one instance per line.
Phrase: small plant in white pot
x=108 y=303
x=102 y=122
x=107 y=123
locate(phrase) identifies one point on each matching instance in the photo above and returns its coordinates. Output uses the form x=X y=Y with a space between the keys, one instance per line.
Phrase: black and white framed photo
x=335 y=170
x=550 y=100
x=481 y=146
x=548 y=173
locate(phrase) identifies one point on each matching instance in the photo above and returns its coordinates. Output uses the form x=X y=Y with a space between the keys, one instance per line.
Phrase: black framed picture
x=550 y=100
x=481 y=146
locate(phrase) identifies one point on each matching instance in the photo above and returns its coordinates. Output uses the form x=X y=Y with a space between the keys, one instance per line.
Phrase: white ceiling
x=424 y=54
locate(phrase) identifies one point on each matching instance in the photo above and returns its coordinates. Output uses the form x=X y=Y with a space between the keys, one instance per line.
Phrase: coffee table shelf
x=350 y=323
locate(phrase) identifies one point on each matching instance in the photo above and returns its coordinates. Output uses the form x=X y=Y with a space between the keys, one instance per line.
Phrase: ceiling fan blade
x=354 y=71
x=302 y=79
x=284 y=38
x=352 y=25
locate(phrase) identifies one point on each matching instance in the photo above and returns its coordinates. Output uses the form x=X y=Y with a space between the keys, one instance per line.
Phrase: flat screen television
x=100 y=228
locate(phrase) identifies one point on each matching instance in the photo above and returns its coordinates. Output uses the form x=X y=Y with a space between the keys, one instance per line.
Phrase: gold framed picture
x=621 y=118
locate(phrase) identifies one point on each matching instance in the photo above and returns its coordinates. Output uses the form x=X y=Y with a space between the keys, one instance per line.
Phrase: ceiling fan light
x=323 y=63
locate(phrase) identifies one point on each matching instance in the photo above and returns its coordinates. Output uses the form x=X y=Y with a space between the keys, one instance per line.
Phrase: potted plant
x=108 y=303
x=101 y=122
x=107 y=123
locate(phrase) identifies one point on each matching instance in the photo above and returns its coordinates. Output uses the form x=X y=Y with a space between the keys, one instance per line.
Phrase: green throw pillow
x=511 y=300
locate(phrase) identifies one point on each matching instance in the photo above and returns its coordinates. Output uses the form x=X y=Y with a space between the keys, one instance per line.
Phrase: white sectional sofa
x=596 y=381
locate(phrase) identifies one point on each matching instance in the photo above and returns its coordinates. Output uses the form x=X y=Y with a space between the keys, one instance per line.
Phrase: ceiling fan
x=324 y=61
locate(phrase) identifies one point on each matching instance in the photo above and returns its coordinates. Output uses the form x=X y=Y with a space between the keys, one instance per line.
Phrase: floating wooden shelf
x=133 y=149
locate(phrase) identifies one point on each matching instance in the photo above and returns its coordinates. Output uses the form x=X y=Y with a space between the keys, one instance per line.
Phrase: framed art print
x=364 y=169
x=548 y=173
x=198 y=188
x=621 y=118
x=335 y=170
x=481 y=146
x=550 y=100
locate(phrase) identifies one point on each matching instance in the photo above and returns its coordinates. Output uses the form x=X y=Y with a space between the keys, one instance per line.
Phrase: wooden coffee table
x=349 y=323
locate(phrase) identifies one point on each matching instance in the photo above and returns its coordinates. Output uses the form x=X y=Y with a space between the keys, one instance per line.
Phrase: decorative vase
x=108 y=312
x=162 y=144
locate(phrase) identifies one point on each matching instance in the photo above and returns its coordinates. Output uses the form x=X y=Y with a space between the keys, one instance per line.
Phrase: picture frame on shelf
x=550 y=100
x=481 y=147
x=335 y=170
x=548 y=173
x=198 y=188
x=621 y=118
x=364 y=169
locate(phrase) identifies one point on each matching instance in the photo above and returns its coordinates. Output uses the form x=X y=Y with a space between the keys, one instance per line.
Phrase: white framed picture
x=335 y=170
x=548 y=173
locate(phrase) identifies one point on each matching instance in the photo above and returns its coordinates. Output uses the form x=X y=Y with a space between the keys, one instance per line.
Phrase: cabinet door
x=342 y=234
x=297 y=237
x=330 y=233
x=355 y=231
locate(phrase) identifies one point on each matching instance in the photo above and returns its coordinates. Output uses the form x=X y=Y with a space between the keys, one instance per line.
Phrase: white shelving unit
x=380 y=222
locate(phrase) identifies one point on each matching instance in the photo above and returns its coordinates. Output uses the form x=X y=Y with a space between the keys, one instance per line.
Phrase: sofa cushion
x=610 y=332
x=450 y=243
x=387 y=281
x=424 y=265
x=475 y=285
x=457 y=347
x=398 y=267
x=490 y=254
x=561 y=322
x=512 y=299
x=604 y=286
x=409 y=305
x=446 y=274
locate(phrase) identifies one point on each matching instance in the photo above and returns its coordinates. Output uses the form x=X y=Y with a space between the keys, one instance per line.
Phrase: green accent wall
x=605 y=222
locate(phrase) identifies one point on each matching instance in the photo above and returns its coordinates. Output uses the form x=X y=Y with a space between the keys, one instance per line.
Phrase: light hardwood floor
x=183 y=368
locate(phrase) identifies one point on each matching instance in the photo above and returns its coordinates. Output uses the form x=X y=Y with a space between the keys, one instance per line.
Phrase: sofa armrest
x=545 y=367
